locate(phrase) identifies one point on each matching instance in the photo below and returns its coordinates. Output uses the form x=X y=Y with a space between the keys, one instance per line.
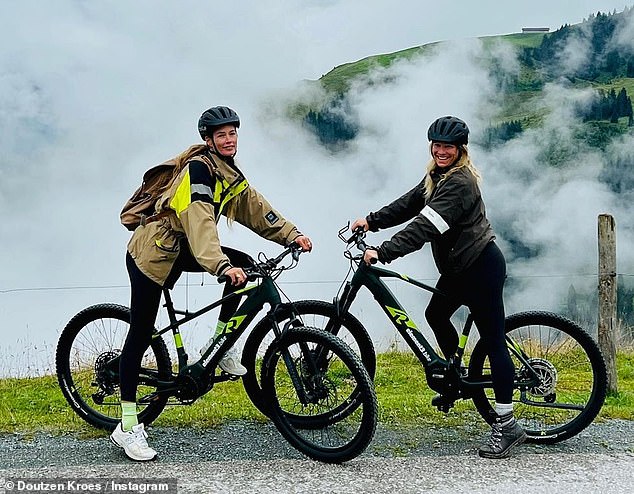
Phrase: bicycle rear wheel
x=299 y=387
x=87 y=366
x=572 y=376
x=315 y=314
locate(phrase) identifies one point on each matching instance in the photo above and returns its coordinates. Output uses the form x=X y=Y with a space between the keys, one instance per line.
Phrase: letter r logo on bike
x=400 y=317
x=233 y=323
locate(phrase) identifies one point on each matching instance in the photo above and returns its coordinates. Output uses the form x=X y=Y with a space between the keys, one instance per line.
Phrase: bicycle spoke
x=88 y=344
x=311 y=424
x=560 y=386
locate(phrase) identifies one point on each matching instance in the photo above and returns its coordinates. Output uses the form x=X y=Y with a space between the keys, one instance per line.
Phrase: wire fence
x=30 y=353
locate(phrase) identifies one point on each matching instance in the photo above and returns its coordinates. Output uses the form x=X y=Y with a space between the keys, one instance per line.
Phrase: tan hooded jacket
x=202 y=192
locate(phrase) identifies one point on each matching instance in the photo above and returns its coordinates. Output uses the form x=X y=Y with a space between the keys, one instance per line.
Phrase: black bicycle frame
x=256 y=297
x=370 y=277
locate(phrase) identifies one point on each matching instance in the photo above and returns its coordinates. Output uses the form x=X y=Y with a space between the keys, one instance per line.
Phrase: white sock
x=503 y=408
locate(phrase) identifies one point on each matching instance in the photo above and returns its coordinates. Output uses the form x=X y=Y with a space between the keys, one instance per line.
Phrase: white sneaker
x=230 y=363
x=133 y=442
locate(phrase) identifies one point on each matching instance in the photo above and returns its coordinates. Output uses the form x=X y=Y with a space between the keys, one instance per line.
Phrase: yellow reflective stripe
x=235 y=190
x=218 y=191
x=183 y=196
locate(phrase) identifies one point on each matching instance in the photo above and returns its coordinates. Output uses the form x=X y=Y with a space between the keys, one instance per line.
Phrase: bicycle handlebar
x=357 y=238
x=266 y=268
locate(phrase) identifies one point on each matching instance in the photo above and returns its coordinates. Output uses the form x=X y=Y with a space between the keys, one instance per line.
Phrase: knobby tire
x=99 y=331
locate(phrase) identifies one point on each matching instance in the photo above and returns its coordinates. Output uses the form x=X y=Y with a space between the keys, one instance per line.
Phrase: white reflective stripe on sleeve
x=436 y=220
x=203 y=190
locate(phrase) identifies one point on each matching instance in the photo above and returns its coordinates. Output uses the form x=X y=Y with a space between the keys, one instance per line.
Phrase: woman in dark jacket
x=447 y=211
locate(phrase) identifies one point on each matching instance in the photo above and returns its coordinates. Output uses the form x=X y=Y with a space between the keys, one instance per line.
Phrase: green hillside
x=609 y=70
x=338 y=80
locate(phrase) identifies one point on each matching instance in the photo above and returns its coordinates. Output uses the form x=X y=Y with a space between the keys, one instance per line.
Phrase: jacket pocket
x=167 y=247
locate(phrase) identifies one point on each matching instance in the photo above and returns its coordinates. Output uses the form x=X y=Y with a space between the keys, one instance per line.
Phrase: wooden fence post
x=607 y=296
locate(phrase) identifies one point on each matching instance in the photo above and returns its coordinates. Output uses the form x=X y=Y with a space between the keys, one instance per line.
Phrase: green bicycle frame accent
x=370 y=277
x=257 y=295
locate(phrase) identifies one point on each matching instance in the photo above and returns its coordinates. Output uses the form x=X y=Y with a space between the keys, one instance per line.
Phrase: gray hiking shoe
x=506 y=433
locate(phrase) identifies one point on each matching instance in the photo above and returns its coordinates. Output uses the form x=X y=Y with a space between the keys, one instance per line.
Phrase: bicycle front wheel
x=571 y=372
x=312 y=313
x=300 y=384
x=87 y=368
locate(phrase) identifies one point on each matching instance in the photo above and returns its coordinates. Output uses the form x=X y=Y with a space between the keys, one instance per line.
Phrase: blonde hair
x=186 y=155
x=463 y=162
x=181 y=161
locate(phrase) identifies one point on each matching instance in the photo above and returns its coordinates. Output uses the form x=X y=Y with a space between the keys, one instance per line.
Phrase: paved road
x=252 y=458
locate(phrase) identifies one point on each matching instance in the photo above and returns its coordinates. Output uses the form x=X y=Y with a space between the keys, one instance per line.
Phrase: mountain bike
x=560 y=378
x=303 y=374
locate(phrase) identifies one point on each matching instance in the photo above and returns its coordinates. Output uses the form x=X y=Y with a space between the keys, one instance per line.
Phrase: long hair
x=464 y=161
x=186 y=155
x=181 y=161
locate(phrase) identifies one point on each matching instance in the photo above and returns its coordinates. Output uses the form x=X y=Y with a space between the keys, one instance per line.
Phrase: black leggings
x=480 y=288
x=145 y=298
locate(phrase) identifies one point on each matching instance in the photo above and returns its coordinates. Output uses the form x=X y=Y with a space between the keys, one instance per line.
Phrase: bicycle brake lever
x=296 y=250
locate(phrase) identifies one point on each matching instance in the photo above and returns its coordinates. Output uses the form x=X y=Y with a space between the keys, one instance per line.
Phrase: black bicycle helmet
x=216 y=117
x=449 y=129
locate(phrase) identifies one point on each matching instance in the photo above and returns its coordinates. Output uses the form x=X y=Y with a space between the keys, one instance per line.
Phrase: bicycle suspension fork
x=293 y=373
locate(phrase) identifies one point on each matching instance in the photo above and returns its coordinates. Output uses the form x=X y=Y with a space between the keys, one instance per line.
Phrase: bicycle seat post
x=169 y=305
x=171 y=313
x=462 y=342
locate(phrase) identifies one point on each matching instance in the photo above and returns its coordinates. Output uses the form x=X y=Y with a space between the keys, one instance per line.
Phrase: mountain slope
x=608 y=68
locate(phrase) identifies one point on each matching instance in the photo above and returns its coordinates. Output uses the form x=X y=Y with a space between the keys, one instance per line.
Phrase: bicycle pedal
x=442 y=403
x=225 y=376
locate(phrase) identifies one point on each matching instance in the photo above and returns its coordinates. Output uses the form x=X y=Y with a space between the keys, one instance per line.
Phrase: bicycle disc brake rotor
x=318 y=386
x=104 y=376
x=547 y=378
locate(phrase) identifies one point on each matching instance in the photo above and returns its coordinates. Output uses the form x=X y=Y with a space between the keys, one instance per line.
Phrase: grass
x=339 y=79
x=521 y=102
x=32 y=405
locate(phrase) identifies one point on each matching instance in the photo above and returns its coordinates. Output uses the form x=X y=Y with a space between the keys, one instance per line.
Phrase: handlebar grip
x=251 y=276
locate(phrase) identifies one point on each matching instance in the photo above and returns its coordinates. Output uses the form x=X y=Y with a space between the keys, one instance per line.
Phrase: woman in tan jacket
x=207 y=183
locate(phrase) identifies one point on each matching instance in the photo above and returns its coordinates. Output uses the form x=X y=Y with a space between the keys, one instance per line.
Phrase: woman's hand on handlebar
x=304 y=242
x=236 y=275
x=370 y=256
x=361 y=222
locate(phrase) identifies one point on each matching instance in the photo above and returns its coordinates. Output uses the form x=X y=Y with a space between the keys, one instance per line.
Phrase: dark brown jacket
x=453 y=220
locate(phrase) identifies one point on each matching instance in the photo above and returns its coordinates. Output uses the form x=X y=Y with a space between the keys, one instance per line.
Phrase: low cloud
x=99 y=94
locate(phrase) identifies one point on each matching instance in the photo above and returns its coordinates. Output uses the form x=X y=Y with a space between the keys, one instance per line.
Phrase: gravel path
x=247 y=457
